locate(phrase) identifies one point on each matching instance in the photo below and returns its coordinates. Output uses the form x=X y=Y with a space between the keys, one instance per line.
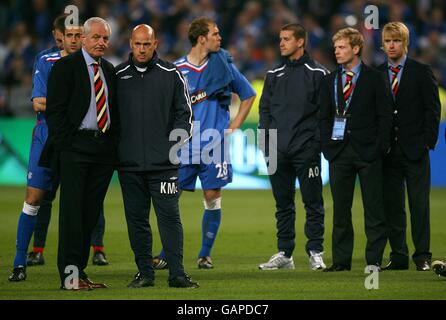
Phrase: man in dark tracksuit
x=153 y=100
x=289 y=105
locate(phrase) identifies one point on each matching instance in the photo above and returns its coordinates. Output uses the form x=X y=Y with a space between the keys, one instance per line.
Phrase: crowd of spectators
x=249 y=29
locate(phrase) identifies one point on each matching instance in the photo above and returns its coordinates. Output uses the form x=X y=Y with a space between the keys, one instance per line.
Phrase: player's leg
x=38 y=182
x=97 y=241
x=41 y=229
x=213 y=177
x=209 y=226
x=27 y=221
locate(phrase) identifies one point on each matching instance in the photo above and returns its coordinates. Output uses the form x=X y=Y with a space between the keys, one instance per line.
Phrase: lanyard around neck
x=347 y=103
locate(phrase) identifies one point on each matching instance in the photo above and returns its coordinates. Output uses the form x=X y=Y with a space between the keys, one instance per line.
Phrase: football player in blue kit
x=40 y=179
x=212 y=78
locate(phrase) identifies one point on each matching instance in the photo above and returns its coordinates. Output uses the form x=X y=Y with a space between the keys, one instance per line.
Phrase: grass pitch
x=246 y=238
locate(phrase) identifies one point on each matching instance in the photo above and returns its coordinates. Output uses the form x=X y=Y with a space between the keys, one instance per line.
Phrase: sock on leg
x=25 y=229
x=98 y=248
x=210 y=225
x=38 y=249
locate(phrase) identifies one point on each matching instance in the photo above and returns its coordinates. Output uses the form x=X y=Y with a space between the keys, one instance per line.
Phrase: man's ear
x=201 y=39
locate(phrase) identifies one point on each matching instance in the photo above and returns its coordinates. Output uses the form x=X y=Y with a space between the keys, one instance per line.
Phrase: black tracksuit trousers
x=139 y=190
x=305 y=165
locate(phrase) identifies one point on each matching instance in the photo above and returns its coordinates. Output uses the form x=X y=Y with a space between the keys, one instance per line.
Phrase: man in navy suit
x=83 y=123
x=416 y=117
x=355 y=124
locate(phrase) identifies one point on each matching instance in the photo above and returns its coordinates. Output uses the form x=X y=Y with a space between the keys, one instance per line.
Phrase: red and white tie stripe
x=101 y=100
x=348 y=87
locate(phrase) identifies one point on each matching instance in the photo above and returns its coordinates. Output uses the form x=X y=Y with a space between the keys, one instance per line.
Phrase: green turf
x=246 y=238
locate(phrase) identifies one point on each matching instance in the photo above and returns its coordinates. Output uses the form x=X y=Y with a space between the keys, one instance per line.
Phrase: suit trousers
x=401 y=173
x=83 y=184
x=139 y=189
x=343 y=171
x=44 y=217
x=305 y=165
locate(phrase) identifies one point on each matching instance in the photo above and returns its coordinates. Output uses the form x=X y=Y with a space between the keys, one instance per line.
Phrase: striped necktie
x=394 y=83
x=101 y=100
x=348 y=87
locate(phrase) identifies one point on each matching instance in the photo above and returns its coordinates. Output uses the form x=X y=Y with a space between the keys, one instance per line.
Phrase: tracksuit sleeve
x=325 y=112
x=265 y=104
x=183 y=106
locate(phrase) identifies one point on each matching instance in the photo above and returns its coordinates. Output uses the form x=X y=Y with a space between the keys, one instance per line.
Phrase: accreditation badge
x=340 y=122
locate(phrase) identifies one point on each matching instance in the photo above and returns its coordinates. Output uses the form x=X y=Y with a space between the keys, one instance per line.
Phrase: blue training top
x=42 y=68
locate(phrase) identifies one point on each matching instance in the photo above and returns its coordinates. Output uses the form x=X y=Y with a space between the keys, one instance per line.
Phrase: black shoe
x=18 y=274
x=394 y=266
x=183 y=282
x=423 y=265
x=35 y=259
x=99 y=259
x=141 y=281
x=439 y=268
x=337 y=267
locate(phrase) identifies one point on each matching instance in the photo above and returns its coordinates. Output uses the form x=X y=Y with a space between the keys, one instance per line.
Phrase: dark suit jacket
x=417 y=106
x=370 y=115
x=68 y=100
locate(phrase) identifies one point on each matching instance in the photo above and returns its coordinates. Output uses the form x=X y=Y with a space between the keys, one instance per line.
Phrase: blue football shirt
x=208 y=113
x=41 y=74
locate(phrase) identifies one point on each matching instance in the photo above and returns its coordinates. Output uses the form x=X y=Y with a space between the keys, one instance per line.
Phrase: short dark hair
x=299 y=31
x=59 y=23
x=199 y=27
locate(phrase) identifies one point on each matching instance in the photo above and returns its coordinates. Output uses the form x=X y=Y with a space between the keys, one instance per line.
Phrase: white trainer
x=278 y=261
x=316 y=261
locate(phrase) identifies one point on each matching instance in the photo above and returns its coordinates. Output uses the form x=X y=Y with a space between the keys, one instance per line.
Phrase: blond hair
x=397 y=30
x=354 y=37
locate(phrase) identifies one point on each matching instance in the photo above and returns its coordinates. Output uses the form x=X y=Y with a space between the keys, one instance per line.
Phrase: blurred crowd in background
x=249 y=29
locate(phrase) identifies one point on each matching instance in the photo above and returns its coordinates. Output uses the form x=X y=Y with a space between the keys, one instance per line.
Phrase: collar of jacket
x=149 y=64
x=302 y=60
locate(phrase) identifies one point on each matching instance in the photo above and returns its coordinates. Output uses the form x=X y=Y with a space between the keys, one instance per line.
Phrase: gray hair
x=91 y=21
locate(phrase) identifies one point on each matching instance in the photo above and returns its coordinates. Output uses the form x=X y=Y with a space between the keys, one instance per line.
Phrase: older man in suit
x=416 y=117
x=355 y=123
x=83 y=127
